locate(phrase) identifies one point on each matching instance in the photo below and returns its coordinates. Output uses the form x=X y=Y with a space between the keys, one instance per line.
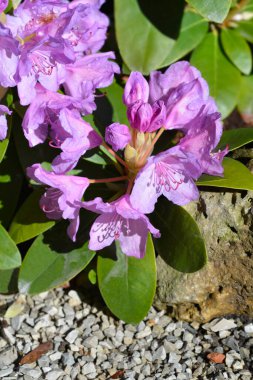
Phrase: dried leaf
x=118 y=374
x=216 y=357
x=16 y=308
x=35 y=354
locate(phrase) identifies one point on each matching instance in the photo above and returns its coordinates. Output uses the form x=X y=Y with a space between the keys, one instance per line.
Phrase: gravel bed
x=88 y=343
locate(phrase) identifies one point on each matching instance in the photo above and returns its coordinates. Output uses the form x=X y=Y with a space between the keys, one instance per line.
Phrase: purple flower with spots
x=62 y=198
x=3 y=122
x=120 y=221
x=170 y=173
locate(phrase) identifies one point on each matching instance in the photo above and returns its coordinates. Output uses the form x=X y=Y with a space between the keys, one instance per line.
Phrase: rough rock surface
x=225 y=285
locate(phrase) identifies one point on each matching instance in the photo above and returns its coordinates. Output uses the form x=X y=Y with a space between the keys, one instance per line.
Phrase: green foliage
x=237 y=50
x=245 y=102
x=236 y=176
x=8 y=281
x=235 y=138
x=9 y=254
x=213 y=10
x=52 y=260
x=145 y=47
x=181 y=245
x=127 y=284
x=192 y=31
x=223 y=78
x=30 y=220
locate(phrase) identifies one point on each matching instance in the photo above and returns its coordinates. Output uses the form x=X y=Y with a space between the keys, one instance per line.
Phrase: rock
x=249 y=328
x=8 y=356
x=224 y=285
x=223 y=324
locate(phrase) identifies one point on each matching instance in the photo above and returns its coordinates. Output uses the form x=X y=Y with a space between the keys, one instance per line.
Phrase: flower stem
x=106 y=180
x=149 y=150
x=118 y=158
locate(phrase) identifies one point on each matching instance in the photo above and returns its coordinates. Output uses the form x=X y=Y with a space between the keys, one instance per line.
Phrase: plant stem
x=106 y=180
x=118 y=158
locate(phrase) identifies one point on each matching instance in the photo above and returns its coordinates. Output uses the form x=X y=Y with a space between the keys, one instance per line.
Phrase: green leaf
x=8 y=281
x=114 y=93
x=245 y=101
x=30 y=220
x=181 y=245
x=142 y=46
x=9 y=254
x=92 y=276
x=236 y=176
x=11 y=180
x=213 y=10
x=235 y=138
x=223 y=78
x=52 y=260
x=192 y=32
x=245 y=28
x=237 y=50
x=127 y=284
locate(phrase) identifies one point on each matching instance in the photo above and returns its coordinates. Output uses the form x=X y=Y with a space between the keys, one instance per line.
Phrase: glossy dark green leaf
x=9 y=254
x=52 y=260
x=30 y=220
x=11 y=180
x=213 y=10
x=245 y=100
x=223 y=78
x=245 y=28
x=8 y=281
x=181 y=245
x=192 y=31
x=237 y=50
x=142 y=46
x=127 y=284
x=236 y=176
x=235 y=138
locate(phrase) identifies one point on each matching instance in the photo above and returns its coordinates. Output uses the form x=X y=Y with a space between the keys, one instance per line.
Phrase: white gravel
x=90 y=344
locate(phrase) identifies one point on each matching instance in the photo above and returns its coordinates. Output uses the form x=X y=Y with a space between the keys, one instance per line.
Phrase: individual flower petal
x=171 y=174
x=3 y=122
x=117 y=135
x=136 y=88
x=95 y=69
x=43 y=111
x=75 y=137
x=63 y=197
x=119 y=221
x=9 y=53
x=161 y=84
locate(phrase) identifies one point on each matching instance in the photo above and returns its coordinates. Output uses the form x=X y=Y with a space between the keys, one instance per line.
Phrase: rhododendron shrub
x=102 y=153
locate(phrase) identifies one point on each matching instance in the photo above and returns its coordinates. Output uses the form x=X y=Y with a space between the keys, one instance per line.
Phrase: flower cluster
x=53 y=45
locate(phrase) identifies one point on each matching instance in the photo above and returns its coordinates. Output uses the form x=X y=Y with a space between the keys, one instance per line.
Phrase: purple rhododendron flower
x=88 y=73
x=56 y=115
x=203 y=134
x=62 y=199
x=3 y=5
x=3 y=122
x=9 y=55
x=170 y=173
x=119 y=221
x=44 y=111
x=43 y=37
x=74 y=136
x=117 y=135
x=170 y=100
